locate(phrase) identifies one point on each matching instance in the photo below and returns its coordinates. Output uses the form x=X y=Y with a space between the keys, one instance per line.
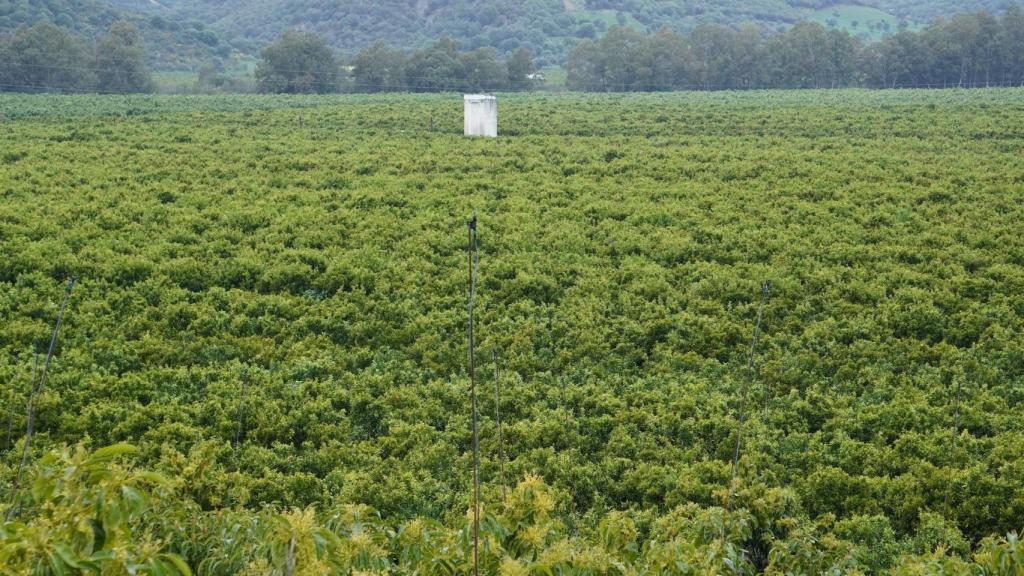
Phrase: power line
x=359 y=88
x=459 y=85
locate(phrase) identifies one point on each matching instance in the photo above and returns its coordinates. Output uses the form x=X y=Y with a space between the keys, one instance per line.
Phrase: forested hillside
x=172 y=42
x=549 y=28
x=179 y=31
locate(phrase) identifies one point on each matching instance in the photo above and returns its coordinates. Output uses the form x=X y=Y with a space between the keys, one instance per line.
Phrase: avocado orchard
x=623 y=243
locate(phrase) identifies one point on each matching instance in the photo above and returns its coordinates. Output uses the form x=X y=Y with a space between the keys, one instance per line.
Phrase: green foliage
x=120 y=60
x=441 y=67
x=968 y=50
x=89 y=514
x=548 y=28
x=520 y=66
x=184 y=35
x=623 y=241
x=298 y=62
x=47 y=58
x=85 y=513
x=173 y=42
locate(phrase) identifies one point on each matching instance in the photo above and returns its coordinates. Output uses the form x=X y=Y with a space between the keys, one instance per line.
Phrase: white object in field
x=481 y=115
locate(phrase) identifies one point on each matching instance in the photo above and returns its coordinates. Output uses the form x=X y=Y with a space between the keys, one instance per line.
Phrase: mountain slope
x=180 y=32
x=548 y=27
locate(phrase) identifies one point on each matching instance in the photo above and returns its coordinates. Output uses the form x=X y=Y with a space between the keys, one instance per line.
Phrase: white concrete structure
x=481 y=115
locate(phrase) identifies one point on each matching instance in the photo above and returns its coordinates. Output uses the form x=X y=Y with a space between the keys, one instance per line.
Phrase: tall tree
x=748 y=58
x=45 y=58
x=298 y=62
x=121 y=60
x=663 y=62
x=962 y=35
x=621 y=50
x=1011 y=39
x=802 y=57
x=483 y=71
x=378 y=68
x=843 y=52
x=584 y=70
x=711 y=47
x=436 y=69
x=988 y=55
x=519 y=66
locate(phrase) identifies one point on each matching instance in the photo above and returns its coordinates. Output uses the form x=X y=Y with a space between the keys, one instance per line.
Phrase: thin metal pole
x=956 y=434
x=568 y=425
x=471 y=256
x=497 y=419
x=241 y=407
x=36 y=390
x=743 y=396
x=956 y=412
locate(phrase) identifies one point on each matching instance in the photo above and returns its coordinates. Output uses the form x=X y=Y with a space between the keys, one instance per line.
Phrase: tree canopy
x=298 y=62
x=120 y=60
x=967 y=50
x=441 y=67
x=49 y=58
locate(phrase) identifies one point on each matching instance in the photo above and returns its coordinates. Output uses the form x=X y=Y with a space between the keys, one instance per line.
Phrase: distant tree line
x=49 y=58
x=303 y=62
x=967 y=50
x=441 y=68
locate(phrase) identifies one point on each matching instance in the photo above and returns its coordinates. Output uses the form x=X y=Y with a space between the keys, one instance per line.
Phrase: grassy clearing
x=863 y=21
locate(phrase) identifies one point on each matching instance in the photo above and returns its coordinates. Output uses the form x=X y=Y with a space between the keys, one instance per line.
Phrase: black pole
x=956 y=434
x=241 y=407
x=497 y=419
x=36 y=390
x=765 y=288
x=471 y=256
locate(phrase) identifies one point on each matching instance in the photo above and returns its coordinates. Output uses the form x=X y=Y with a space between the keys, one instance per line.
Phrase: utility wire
x=765 y=289
x=350 y=90
x=452 y=85
x=497 y=419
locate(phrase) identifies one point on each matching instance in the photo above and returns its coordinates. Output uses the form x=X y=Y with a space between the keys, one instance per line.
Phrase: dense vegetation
x=173 y=42
x=967 y=50
x=440 y=67
x=298 y=62
x=548 y=28
x=186 y=34
x=605 y=52
x=317 y=256
x=48 y=58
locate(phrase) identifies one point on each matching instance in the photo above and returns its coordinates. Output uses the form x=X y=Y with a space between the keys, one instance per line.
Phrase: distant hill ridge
x=181 y=33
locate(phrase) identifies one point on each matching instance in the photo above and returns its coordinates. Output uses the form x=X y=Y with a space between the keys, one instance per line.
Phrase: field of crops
x=271 y=311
